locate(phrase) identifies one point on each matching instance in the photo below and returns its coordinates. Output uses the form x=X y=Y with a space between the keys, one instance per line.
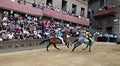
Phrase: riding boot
x=89 y=41
x=61 y=40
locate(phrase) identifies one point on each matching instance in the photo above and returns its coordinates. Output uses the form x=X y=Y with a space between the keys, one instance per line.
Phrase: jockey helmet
x=59 y=29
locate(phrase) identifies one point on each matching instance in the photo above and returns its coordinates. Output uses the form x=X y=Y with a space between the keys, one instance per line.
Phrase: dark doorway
x=82 y=12
x=64 y=5
x=109 y=30
x=74 y=8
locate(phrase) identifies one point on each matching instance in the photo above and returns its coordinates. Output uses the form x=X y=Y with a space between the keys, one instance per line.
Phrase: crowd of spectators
x=16 y=26
x=107 y=37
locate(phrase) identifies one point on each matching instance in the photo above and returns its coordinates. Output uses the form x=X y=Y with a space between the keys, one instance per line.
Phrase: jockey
x=59 y=34
x=88 y=36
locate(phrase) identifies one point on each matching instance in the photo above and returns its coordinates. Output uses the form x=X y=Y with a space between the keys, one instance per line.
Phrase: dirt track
x=103 y=54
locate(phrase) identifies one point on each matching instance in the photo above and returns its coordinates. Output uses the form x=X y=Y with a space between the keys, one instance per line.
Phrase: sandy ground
x=103 y=54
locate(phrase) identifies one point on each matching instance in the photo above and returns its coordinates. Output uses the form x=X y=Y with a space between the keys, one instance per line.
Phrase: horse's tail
x=44 y=41
x=74 y=41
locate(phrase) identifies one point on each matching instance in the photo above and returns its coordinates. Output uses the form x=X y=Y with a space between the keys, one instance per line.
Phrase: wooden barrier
x=20 y=45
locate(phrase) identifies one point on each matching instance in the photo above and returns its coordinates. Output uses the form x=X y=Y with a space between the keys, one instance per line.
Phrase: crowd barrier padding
x=20 y=45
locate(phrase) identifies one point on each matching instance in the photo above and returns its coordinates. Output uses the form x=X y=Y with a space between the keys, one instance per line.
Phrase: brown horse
x=54 y=41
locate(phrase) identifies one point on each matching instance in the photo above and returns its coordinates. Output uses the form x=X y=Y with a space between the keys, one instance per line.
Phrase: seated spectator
x=34 y=4
x=19 y=1
x=40 y=5
x=10 y=35
x=5 y=36
x=1 y=39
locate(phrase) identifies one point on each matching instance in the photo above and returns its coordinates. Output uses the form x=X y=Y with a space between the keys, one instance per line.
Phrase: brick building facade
x=105 y=15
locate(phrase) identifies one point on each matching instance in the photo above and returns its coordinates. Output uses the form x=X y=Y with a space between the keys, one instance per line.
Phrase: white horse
x=81 y=40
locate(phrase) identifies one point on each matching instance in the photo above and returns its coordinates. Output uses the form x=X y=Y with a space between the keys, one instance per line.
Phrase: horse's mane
x=64 y=34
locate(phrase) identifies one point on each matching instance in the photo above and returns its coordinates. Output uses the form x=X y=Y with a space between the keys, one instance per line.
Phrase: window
x=88 y=14
x=103 y=3
x=64 y=5
x=82 y=12
x=49 y=2
x=74 y=8
x=93 y=11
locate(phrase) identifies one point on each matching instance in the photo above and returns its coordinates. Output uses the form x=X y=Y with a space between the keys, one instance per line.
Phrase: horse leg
x=56 y=46
x=67 y=44
x=74 y=41
x=75 y=46
x=89 y=48
x=48 y=46
x=86 y=47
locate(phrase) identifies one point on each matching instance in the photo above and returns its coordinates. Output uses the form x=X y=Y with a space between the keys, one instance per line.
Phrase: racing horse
x=81 y=40
x=55 y=40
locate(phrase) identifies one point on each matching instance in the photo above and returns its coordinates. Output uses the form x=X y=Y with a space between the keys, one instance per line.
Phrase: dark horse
x=54 y=41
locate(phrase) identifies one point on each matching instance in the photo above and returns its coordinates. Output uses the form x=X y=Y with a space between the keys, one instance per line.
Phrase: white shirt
x=13 y=0
x=10 y=36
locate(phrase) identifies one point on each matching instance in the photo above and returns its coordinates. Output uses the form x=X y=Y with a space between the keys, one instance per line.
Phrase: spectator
x=19 y=1
x=10 y=35
x=40 y=5
x=34 y=4
x=1 y=39
x=5 y=36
